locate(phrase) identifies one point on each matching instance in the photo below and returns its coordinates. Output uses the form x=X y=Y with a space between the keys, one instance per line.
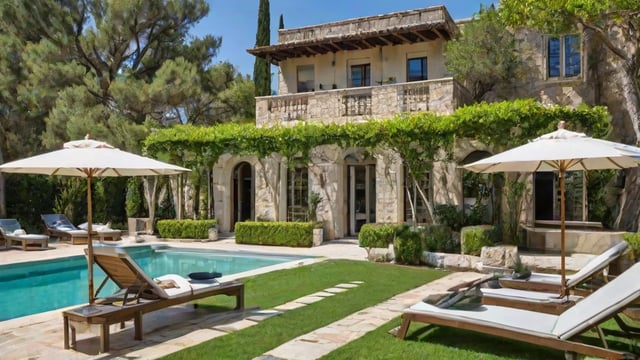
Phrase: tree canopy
x=113 y=69
x=484 y=55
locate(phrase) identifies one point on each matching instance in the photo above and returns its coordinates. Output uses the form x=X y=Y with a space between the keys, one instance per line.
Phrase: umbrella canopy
x=561 y=151
x=90 y=159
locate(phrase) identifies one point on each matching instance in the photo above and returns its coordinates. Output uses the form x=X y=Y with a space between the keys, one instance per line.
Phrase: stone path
x=322 y=341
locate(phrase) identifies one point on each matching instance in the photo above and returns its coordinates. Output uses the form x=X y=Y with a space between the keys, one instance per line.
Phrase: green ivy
x=417 y=137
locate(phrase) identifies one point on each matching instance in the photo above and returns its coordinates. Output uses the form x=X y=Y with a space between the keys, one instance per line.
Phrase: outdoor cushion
x=465 y=299
x=503 y=317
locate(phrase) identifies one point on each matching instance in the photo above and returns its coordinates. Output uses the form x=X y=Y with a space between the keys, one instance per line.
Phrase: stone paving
x=169 y=330
x=322 y=341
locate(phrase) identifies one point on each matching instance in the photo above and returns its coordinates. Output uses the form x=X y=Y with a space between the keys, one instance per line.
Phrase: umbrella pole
x=563 y=288
x=90 y=240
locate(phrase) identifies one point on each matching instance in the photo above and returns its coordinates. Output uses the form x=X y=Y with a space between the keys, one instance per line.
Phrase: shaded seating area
x=59 y=226
x=12 y=234
x=139 y=294
x=563 y=332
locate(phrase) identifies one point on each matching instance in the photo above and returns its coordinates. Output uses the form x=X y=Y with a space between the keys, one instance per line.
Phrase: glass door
x=362 y=197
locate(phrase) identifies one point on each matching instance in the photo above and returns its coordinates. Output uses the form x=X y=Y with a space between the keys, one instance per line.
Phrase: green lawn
x=381 y=282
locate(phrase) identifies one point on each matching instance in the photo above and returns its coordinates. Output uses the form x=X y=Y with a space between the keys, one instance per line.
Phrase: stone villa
x=372 y=68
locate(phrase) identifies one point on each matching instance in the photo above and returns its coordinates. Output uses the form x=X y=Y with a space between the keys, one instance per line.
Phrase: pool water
x=38 y=286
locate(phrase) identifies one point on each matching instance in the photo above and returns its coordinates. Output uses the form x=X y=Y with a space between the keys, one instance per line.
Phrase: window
x=298 y=194
x=306 y=78
x=563 y=56
x=417 y=69
x=361 y=75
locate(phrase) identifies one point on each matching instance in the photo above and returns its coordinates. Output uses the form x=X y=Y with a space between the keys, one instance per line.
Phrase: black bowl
x=204 y=275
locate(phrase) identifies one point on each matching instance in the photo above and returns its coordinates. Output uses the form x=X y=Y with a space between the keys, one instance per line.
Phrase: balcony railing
x=440 y=96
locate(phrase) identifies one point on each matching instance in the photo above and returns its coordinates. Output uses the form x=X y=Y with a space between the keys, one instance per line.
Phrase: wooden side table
x=103 y=315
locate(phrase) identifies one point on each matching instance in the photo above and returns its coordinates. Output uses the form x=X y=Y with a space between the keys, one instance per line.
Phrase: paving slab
x=320 y=342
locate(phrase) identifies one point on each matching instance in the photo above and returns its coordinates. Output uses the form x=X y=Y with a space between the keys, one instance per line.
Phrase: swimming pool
x=38 y=286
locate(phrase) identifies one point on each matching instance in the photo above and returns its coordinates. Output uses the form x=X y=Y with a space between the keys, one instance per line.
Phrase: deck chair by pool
x=552 y=282
x=139 y=294
x=168 y=289
x=562 y=332
x=13 y=234
x=58 y=225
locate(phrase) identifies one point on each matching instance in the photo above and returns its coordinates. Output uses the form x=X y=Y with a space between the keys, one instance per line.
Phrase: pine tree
x=261 y=67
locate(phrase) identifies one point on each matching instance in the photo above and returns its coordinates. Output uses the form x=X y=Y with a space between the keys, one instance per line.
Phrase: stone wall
x=340 y=106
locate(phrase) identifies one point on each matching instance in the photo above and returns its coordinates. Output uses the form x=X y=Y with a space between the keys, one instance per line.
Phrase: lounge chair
x=560 y=332
x=58 y=225
x=139 y=294
x=552 y=282
x=12 y=233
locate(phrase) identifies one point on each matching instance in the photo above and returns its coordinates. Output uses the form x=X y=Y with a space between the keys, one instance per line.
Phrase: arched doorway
x=242 y=193
x=361 y=192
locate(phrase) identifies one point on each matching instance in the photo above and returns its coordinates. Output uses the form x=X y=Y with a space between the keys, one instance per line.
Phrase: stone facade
x=330 y=52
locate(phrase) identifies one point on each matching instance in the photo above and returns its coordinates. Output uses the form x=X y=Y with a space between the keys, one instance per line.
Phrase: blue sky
x=236 y=20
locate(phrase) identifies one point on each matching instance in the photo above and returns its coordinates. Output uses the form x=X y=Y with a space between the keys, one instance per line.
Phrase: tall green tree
x=114 y=69
x=262 y=67
x=108 y=67
x=484 y=55
x=281 y=22
x=615 y=24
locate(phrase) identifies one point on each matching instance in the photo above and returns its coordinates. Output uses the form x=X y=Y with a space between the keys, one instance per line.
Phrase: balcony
x=441 y=96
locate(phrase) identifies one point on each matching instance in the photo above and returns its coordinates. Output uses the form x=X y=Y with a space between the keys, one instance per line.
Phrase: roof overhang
x=407 y=27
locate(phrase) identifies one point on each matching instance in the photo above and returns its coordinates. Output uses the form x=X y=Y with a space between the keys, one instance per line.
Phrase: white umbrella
x=561 y=151
x=90 y=159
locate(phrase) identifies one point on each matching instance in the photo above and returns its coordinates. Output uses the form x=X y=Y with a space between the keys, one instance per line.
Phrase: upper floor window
x=306 y=78
x=361 y=75
x=417 y=69
x=564 y=59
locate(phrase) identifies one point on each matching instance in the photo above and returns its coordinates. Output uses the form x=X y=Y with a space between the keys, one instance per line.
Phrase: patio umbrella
x=561 y=151
x=90 y=159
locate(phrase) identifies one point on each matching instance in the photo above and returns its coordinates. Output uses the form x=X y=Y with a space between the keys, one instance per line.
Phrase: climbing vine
x=419 y=138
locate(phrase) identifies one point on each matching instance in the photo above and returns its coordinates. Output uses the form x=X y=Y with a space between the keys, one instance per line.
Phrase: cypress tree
x=262 y=67
x=281 y=24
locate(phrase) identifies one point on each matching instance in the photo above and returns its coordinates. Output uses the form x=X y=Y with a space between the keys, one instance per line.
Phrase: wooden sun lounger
x=23 y=241
x=147 y=296
x=59 y=226
x=562 y=332
x=551 y=282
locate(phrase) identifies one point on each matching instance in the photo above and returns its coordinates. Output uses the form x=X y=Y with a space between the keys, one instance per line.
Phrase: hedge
x=376 y=235
x=185 y=229
x=295 y=234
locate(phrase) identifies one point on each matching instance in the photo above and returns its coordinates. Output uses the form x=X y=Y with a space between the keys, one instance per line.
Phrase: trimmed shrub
x=473 y=238
x=438 y=238
x=634 y=243
x=185 y=229
x=407 y=245
x=295 y=234
x=376 y=235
